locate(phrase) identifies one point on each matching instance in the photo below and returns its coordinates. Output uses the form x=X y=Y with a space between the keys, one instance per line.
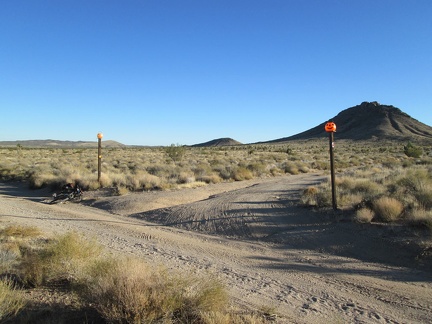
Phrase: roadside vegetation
x=380 y=181
x=176 y=166
x=103 y=288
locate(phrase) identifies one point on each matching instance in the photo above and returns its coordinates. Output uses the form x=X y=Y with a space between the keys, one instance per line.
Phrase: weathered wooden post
x=330 y=128
x=99 y=136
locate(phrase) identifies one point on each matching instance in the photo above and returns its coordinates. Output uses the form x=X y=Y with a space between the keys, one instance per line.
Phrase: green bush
x=176 y=152
x=413 y=151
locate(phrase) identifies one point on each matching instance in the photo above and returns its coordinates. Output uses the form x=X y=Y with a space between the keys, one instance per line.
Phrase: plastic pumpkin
x=330 y=127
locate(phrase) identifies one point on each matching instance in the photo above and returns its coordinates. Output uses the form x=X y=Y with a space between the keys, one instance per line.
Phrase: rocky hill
x=219 y=142
x=370 y=121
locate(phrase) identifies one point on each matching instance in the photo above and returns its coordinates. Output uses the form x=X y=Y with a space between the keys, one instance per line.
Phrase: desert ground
x=307 y=266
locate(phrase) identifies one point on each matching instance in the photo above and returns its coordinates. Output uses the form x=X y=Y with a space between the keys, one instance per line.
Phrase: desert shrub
x=175 y=152
x=364 y=215
x=387 y=209
x=349 y=199
x=324 y=198
x=121 y=191
x=412 y=150
x=19 y=231
x=309 y=195
x=130 y=291
x=106 y=180
x=317 y=197
x=11 y=300
x=241 y=173
x=368 y=187
x=186 y=177
x=212 y=178
x=9 y=257
x=303 y=168
x=291 y=168
x=13 y=240
x=201 y=169
x=224 y=171
x=421 y=218
x=257 y=168
x=320 y=165
x=414 y=187
x=61 y=258
x=148 y=181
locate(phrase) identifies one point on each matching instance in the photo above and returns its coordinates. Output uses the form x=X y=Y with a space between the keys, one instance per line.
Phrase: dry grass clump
x=415 y=185
x=420 y=218
x=11 y=300
x=387 y=209
x=119 y=289
x=60 y=258
x=17 y=231
x=131 y=291
x=13 y=240
x=364 y=215
x=317 y=196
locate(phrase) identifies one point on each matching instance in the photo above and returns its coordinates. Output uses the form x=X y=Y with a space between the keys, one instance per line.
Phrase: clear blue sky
x=157 y=72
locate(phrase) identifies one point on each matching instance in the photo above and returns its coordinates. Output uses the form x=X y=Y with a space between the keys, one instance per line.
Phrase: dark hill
x=219 y=142
x=370 y=120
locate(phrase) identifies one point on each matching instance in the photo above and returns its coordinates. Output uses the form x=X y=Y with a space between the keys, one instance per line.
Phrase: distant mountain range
x=367 y=121
x=60 y=144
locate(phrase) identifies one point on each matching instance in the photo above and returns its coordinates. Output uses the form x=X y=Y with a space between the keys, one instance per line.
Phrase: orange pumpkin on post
x=330 y=127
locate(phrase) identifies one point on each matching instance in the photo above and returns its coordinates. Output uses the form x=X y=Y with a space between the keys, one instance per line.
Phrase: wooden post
x=331 y=140
x=99 y=136
x=330 y=128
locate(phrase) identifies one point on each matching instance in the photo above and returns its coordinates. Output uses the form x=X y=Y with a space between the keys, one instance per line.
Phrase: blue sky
x=157 y=72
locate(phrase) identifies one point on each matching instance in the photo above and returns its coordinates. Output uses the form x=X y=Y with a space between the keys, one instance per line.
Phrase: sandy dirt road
x=310 y=267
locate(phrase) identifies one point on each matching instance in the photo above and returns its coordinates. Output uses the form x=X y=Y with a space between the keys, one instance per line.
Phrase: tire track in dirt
x=254 y=212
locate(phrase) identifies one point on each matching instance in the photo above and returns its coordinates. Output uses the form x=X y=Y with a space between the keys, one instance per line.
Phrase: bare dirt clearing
x=310 y=267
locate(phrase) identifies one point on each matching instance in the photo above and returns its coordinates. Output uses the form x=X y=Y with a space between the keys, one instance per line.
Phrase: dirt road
x=309 y=267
